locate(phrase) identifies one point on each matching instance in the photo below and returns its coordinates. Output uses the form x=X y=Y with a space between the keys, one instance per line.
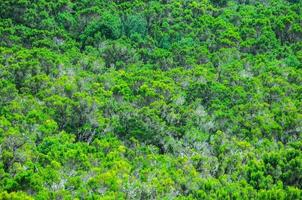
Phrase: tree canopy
x=169 y=99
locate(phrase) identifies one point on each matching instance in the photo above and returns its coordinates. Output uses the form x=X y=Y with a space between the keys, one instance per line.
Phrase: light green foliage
x=151 y=99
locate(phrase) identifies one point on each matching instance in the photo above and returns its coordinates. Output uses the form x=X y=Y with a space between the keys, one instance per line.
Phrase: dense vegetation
x=169 y=99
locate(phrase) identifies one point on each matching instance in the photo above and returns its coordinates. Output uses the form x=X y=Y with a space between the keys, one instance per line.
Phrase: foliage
x=151 y=99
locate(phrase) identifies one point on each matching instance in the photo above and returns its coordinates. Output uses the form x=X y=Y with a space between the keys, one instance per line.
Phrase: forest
x=151 y=99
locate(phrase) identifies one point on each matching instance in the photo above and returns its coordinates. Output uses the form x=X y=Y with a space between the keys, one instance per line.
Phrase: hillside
x=168 y=99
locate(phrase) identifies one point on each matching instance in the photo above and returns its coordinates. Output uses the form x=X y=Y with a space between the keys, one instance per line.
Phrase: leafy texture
x=151 y=99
